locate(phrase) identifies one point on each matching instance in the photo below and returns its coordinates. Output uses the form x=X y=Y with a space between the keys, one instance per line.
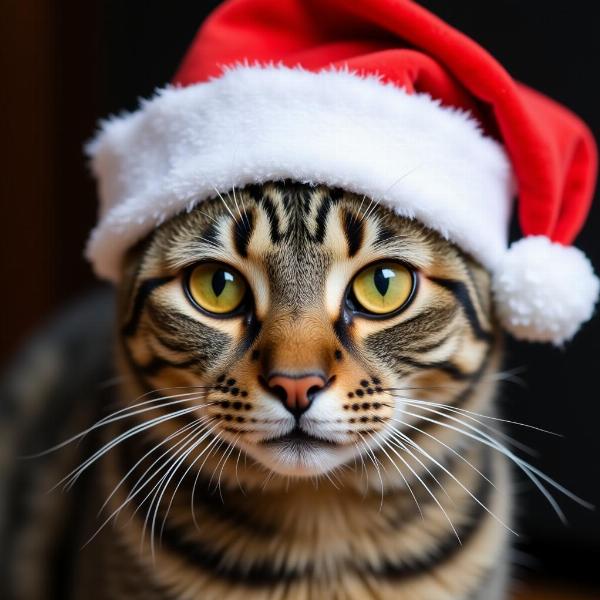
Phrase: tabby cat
x=304 y=411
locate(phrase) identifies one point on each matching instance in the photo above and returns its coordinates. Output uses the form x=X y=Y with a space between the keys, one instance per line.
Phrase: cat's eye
x=383 y=288
x=216 y=288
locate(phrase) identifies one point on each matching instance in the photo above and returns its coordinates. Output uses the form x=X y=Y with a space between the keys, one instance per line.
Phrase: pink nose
x=296 y=393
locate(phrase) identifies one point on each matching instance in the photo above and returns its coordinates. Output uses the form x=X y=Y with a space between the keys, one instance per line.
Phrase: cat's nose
x=296 y=392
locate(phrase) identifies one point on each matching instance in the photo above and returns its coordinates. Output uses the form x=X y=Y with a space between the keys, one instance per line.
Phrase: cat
x=303 y=409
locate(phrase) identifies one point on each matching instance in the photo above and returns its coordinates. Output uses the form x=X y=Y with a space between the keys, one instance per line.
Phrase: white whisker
x=215 y=444
x=225 y=204
x=242 y=219
x=460 y=483
x=158 y=496
x=74 y=475
x=232 y=448
x=449 y=448
x=400 y=441
x=111 y=418
x=426 y=487
x=200 y=431
x=177 y=433
x=480 y=415
x=181 y=479
x=375 y=462
x=237 y=475
x=532 y=473
x=425 y=405
x=408 y=486
x=135 y=491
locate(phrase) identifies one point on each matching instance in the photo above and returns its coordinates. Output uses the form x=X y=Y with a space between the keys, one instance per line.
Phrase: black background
x=67 y=64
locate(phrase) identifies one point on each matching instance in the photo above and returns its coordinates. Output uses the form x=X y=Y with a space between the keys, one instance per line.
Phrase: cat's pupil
x=381 y=278
x=219 y=281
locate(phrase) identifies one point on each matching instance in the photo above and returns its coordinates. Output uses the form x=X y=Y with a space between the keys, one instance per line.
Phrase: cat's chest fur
x=326 y=540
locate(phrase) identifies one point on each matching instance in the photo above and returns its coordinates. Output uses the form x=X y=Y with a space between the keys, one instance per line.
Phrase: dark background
x=64 y=65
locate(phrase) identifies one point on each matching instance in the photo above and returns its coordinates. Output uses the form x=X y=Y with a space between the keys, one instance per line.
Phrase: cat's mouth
x=301 y=453
x=298 y=438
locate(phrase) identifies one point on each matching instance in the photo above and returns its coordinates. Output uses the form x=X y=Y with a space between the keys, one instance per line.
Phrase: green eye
x=383 y=288
x=216 y=288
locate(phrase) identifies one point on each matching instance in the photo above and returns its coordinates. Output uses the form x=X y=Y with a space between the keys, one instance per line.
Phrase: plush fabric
x=379 y=97
x=544 y=290
x=333 y=128
x=553 y=153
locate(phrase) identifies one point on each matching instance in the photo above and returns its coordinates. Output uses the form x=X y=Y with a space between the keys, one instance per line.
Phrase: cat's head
x=304 y=326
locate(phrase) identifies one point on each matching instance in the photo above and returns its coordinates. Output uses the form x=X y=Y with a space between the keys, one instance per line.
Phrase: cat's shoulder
x=51 y=389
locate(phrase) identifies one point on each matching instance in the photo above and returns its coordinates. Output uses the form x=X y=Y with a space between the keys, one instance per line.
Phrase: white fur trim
x=545 y=291
x=255 y=124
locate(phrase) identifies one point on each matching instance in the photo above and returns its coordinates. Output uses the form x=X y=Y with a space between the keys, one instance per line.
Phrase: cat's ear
x=130 y=267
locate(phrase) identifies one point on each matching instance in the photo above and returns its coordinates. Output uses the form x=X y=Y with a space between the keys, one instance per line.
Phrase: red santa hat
x=379 y=97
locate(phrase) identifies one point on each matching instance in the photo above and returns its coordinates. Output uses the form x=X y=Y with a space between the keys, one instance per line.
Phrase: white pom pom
x=544 y=291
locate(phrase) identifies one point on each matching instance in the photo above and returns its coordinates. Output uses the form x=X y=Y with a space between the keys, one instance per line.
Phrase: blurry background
x=66 y=64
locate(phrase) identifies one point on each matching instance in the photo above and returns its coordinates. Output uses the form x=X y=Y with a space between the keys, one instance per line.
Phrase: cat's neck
x=304 y=523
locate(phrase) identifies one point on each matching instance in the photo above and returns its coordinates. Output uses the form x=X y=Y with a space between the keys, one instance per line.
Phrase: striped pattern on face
x=381 y=421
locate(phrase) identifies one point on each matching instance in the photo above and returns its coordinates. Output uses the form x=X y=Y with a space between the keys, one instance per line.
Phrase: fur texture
x=188 y=487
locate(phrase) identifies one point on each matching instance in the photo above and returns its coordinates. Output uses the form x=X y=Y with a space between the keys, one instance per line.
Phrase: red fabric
x=553 y=153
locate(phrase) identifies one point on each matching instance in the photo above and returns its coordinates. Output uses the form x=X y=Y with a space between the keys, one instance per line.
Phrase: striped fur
x=401 y=499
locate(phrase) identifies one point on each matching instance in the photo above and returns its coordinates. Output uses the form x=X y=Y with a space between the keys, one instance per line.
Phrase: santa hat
x=378 y=97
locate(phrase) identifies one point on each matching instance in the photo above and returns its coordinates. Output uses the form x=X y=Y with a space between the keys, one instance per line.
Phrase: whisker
x=408 y=486
x=268 y=478
x=177 y=433
x=460 y=483
x=329 y=478
x=74 y=475
x=181 y=479
x=395 y=434
x=358 y=212
x=200 y=431
x=370 y=208
x=532 y=473
x=480 y=415
x=132 y=494
x=227 y=455
x=165 y=481
x=374 y=460
x=506 y=375
x=364 y=472
x=111 y=418
x=215 y=221
x=509 y=375
x=426 y=487
x=237 y=475
x=221 y=459
x=225 y=204
x=424 y=405
x=127 y=412
x=215 y=443
x=247 y=221
x=395 y=183
x=449 y=448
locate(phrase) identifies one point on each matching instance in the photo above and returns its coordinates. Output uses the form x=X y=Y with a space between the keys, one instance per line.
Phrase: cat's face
x=312 y=321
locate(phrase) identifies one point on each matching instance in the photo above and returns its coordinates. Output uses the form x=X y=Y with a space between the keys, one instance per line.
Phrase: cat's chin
x=304 y=459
